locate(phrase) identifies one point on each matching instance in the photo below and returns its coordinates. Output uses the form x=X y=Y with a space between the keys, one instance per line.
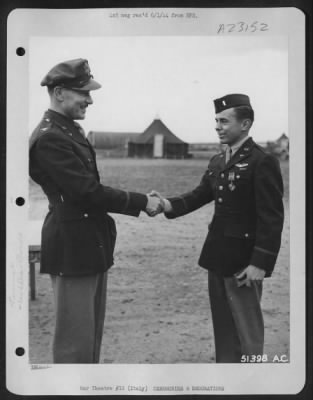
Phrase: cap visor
x=91 y=85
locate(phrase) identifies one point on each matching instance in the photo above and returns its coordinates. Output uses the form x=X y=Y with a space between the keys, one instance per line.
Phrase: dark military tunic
x=78 y=235
x=248 y=218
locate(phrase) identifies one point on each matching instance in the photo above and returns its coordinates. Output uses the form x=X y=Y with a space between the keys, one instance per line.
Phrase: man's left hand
x=251 y=273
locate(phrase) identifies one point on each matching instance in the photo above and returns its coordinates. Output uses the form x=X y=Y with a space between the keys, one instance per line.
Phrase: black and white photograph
x=155 y=192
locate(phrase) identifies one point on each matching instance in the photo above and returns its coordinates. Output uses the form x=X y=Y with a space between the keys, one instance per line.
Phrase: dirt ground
x=158 y=307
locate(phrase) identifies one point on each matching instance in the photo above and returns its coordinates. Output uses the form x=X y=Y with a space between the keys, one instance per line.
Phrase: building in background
x=280 y=147
x=157 y=141
x=113 y=143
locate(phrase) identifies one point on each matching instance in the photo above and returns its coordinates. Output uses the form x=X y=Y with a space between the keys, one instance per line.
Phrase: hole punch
x=20 y=201
x=20 y=51
x=19 y=351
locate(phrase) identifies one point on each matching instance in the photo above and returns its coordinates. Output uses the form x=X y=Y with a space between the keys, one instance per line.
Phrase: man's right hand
x=167 y=207
x=154 y=206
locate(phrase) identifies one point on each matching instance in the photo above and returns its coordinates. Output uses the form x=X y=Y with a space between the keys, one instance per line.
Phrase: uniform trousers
x=80 y=304
x=237 y=318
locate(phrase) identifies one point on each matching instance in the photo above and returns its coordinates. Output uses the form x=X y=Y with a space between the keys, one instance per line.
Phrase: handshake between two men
x=157 y=204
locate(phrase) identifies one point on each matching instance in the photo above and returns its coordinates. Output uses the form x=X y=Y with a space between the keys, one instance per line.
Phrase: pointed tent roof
x=157 y=127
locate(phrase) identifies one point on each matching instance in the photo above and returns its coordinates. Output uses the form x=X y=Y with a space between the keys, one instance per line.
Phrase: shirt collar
x=237 y=145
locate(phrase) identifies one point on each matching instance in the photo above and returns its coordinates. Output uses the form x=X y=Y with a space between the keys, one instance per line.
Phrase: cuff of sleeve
x=263 y=259
x=178 y=207
x=167 y=206
x=137 y=202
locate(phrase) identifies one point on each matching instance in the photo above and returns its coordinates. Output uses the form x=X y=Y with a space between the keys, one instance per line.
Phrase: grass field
x=169 y=177
x=158 y=308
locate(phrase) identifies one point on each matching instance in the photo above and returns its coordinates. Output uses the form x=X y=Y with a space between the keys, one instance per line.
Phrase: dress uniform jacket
x=78 y=235
x=248 y=219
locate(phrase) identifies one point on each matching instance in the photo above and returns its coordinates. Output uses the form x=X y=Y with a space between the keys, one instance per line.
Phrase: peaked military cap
x=72 y=74
x=230 y=101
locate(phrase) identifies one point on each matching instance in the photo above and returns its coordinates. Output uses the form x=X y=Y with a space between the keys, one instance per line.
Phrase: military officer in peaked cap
x=78 y=235
x=245 y=233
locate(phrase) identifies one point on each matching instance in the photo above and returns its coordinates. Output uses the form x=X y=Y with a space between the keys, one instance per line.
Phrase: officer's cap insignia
x=72 y=74
x=231 y=100
x=241 y=165
x=86 y=68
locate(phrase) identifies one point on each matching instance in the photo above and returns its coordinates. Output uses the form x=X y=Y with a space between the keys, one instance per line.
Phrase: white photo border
x=280 y=378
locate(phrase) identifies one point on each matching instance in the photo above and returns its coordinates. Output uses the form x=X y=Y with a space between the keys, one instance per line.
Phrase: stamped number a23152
x=242 y=27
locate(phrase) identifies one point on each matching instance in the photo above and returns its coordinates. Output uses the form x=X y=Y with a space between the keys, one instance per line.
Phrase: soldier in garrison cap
x=244 y=235
x=78 y=236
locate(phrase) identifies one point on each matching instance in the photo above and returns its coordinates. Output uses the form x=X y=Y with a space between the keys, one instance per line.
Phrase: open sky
x=174 y=78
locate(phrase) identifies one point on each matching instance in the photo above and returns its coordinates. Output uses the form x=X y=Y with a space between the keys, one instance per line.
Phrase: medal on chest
x=231 y=179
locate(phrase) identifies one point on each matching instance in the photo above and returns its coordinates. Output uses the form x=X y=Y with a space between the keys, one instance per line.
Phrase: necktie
x=82 y=132
x=80 y=129
x=228 y=154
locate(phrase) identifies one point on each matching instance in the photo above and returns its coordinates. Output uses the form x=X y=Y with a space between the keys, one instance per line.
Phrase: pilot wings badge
x=242 y=165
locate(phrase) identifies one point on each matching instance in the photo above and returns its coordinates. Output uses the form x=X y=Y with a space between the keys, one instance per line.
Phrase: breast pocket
x=85 y=155
x=91 y=164
x=241 y=177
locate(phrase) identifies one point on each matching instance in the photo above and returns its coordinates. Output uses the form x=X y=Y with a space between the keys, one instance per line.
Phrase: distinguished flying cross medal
x=231 y=178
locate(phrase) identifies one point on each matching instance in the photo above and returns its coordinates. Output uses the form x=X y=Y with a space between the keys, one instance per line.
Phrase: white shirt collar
x=236 y=146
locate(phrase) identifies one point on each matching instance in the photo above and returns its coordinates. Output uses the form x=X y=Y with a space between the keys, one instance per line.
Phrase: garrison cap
x=72 y=74
x=230 y=101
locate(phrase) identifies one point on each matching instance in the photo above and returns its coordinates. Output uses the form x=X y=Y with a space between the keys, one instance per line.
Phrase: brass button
x=220 y=187
x=220 y=200
x=222 y=175
x=86 y=215
x=246 y=235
